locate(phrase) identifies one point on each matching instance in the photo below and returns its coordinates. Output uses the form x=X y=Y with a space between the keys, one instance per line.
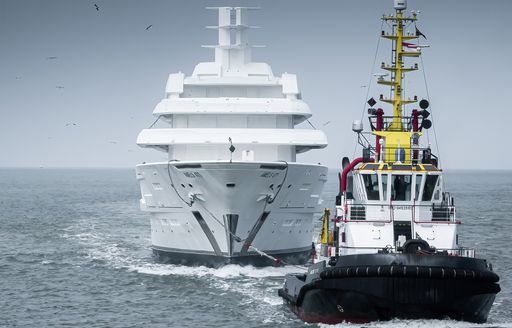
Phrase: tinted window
x=384 y=178
x=401 y=187
x=372 y=186
x=430 y=185
x=418 y=186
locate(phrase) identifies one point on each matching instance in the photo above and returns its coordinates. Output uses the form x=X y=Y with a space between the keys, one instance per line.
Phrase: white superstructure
x=231 y=185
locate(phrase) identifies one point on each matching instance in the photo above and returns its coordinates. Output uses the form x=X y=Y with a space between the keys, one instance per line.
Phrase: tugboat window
x=430 y=185
x=401 y=187
x=384 y=179
x=419 y=178
x=371 y=185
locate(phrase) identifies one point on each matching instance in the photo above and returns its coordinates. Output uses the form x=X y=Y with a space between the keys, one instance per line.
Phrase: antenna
x=231 y=149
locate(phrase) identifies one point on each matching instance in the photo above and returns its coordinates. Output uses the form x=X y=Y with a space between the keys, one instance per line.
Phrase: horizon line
x=133 y=167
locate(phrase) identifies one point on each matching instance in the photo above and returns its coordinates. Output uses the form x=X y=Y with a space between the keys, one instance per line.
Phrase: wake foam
x=227 y=271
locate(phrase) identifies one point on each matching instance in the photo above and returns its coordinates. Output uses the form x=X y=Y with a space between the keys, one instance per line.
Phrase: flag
x=409 y=45
x=418 y=33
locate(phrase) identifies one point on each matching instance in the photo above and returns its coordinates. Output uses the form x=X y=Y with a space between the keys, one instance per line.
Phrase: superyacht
x=231 y=190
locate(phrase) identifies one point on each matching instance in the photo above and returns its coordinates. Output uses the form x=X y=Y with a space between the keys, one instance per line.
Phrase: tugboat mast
x=398 y=133
x=397 y=70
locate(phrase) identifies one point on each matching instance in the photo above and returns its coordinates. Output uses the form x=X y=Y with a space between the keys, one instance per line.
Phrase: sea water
x=75 y=251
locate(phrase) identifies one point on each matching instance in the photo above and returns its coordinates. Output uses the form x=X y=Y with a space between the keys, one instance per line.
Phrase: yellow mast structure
x=397 y=136
x=325 y=238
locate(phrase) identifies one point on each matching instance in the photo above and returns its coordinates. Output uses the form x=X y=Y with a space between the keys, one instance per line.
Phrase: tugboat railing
x=461 y=251
x=359 y=212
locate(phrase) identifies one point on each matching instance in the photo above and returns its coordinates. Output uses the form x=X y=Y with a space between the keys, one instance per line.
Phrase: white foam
x=167 y=270
x=227 y=271
x=274 y=301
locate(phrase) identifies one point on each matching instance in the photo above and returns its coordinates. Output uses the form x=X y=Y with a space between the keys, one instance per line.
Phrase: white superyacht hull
x=217 y=210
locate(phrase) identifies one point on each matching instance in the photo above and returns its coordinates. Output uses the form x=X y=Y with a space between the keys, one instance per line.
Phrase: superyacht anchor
x=231 y=189
x=396 y=251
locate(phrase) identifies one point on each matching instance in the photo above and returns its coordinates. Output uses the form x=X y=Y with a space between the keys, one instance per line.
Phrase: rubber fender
x=409 y=271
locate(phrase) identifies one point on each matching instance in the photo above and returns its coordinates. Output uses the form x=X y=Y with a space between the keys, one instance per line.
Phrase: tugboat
x=395 y=242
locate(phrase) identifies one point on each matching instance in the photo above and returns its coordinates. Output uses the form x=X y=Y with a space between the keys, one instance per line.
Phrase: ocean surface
x=75 y=251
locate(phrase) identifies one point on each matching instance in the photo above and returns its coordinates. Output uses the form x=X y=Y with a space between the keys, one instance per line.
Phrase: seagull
x=97 y=8
x=59 y=87
x=51 y=58
x=326 y=123
x=69 y=124
x=149 y=26
x=363 y=86
x=113 y=142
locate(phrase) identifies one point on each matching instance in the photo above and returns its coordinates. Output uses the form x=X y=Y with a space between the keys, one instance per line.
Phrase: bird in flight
x=51 y=58
x=97 y=8
x=71 y=124
x=149 y=26
x=59 y=87
x=326 y=123
x=113 y=142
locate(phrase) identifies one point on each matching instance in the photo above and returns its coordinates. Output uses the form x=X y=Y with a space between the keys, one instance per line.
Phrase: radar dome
x=400 y=4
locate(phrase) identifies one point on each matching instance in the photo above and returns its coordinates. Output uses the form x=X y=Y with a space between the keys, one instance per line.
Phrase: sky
x=78 y=84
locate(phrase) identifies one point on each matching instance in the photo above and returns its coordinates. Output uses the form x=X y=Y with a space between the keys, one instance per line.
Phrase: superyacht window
x=401 y=187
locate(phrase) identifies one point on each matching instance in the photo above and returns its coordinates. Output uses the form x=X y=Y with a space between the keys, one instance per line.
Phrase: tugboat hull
x=374 y=290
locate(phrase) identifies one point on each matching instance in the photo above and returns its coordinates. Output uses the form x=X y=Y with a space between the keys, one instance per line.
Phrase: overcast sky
x=110 y=72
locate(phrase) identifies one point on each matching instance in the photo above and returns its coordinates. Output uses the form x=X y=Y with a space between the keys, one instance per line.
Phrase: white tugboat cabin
x=387 y=204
